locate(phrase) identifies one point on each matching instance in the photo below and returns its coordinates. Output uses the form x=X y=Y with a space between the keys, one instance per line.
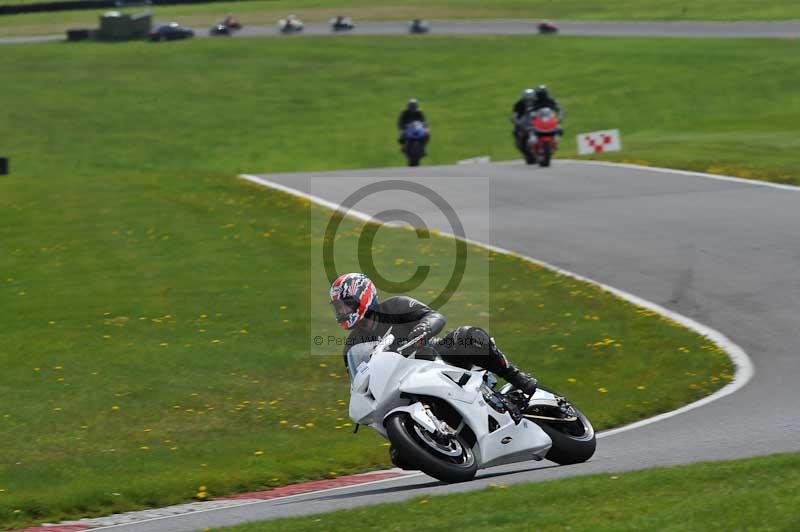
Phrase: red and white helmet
x=352 y=295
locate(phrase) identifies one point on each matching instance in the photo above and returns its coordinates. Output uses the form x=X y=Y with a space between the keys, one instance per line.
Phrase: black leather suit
x=462 y=347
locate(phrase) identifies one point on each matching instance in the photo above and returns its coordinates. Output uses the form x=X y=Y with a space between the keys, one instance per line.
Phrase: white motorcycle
x=449 y=422
x=290 y=24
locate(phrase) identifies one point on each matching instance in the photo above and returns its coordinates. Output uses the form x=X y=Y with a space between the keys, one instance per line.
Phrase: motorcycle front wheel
x=547 y=153
x=414 y=153
x=449 y=459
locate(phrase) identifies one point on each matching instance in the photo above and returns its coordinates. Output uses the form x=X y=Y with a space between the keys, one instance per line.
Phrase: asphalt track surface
x=518 y=27
x=723 y=252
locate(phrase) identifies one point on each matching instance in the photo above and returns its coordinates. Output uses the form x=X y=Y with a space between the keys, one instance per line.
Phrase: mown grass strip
x=753 y=494
x=232 y=106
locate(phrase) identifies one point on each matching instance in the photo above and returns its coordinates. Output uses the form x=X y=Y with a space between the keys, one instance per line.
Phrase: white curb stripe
x=744 y=366
x=249 y=502
x=129 y=518
x=658 y=169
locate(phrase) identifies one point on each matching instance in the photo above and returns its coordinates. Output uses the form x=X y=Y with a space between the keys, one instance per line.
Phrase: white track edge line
x=262 y=501
x=691 y=173
x=744 y=366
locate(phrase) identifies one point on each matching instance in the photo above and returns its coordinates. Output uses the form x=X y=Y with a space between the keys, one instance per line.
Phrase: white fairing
x=382 y=383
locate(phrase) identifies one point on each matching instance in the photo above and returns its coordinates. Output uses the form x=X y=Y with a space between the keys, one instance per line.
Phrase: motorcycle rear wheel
x=451 y=462
x=573 y=437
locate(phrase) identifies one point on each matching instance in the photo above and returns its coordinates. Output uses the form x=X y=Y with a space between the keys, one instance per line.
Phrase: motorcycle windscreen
x=357 y=355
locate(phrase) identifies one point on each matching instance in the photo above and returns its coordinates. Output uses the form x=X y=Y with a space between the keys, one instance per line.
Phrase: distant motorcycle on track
x=419 y=26
x=415 y=138
x=232 y=22
x=449 y=422
x=342 y=24
x=547 y=28
x=290 y=24
x=226 y=27
x=539 y=131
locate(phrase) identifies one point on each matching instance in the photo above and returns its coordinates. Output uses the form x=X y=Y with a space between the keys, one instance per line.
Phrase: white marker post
x=484 y=159
x=599 y=142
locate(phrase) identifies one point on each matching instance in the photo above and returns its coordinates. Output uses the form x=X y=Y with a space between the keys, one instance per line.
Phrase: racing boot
x=517 y=399
x=518 y=379
x=515 y=406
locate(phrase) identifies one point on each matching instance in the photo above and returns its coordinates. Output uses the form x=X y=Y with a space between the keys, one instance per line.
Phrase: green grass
x=128 y=248
x=753 y=494
x=268 y=11
x=241 y=105
x=157 y=339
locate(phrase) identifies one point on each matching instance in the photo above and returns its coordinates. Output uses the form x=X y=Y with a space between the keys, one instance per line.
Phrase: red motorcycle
x=543 y=129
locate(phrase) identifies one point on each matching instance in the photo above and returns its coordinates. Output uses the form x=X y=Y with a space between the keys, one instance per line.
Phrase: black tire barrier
x=16 y=9
x=78 y=35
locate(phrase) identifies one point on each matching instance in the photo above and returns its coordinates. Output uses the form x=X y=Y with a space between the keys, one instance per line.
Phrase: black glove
x=422 y=328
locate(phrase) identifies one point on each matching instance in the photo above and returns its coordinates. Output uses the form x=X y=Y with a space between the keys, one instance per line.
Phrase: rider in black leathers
x=462 y=347
x=412 y=113
x=531 y=100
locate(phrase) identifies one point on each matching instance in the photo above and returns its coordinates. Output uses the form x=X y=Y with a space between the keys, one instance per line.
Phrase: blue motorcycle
x=415 y=137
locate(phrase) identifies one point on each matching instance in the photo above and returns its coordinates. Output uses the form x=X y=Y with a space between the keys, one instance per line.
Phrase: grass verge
x=240 y=105
x=269 y=11
x=752 y=494
x=156 y=311
x=157 y=337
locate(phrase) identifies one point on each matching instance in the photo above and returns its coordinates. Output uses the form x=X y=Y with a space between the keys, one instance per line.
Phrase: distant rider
x=355 y=303
x=531 y=100
x=412 y=113
x=417 y=25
